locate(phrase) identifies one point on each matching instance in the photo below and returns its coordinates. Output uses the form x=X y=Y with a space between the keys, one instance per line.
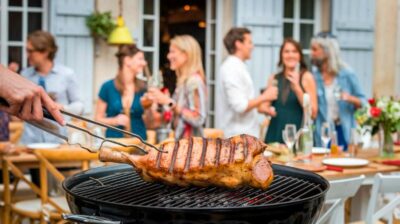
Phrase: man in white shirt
x=236 y=108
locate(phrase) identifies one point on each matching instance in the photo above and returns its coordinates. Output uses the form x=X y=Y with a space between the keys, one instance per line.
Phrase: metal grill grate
x=127 y=188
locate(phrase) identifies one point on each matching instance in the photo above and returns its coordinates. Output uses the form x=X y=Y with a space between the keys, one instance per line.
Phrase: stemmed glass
x=153 y=81
x=326 y=134
x=289 y=136
x=354 y=143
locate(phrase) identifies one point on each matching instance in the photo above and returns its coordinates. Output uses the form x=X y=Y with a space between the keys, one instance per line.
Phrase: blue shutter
x=353 y=24
x=264 y=18
x=68 y=25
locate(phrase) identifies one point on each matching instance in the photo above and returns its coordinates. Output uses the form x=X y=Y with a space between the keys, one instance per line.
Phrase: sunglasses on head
x=325 y=35
x=31 y=50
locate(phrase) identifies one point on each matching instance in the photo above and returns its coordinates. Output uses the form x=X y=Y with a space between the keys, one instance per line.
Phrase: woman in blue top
x=119 y=98
x=338 y=89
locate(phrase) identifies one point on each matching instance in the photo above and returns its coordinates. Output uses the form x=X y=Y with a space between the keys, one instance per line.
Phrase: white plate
x=43 y=145
x=319 y=150
x=345 y=162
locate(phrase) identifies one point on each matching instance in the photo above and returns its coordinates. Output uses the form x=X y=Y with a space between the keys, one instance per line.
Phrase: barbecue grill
x=118 y=193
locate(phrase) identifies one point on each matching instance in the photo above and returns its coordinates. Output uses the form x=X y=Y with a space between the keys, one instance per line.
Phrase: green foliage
x=100 y=24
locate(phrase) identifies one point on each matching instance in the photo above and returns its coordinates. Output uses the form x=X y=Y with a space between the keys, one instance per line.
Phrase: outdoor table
x=359 y=202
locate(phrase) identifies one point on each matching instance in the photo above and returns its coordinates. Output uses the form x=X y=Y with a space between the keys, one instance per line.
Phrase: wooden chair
x=45 y=208
x=16 y=130
x=339 y=192
x=12 y=191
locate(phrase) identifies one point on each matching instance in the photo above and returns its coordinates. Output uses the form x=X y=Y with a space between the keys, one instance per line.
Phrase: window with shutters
x=301 y=21
x=18 y=18
x=149 y=42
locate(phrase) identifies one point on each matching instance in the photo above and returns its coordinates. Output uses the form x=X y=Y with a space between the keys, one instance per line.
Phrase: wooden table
x=361 y=199
x=16 y=163
x=370 y=170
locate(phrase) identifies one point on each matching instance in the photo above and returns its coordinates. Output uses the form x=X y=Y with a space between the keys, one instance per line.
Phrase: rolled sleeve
x=357 y=90
x=75 y=104
x=196 y=115
x=236 y=96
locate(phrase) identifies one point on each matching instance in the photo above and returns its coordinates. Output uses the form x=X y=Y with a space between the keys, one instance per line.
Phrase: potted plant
x=100 y=24
x=383 y=115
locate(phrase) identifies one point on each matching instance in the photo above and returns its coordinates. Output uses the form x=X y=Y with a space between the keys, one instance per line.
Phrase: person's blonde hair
x=193 y=65
x=331 y=48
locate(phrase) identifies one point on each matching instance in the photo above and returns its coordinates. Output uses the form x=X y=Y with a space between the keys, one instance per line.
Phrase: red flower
x=371 y=101
x=167 y=115
x=165 y=90
x=375 y=111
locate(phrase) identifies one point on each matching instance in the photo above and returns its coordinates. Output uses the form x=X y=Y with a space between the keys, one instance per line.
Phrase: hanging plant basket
x=100 y=24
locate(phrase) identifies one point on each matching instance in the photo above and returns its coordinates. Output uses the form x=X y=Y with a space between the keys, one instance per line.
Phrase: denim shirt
x=348 y=82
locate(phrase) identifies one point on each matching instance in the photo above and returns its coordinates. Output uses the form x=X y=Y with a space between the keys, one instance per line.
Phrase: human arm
x=256 y=102
x=356 y=95
x=266 y=107
x=310 y=87
x=351 y=99
x=25 y=99
x=75 y=104
x=237 y=97
x=195 y=113
x=151 y=117
x=100 y=115
x=101 y=108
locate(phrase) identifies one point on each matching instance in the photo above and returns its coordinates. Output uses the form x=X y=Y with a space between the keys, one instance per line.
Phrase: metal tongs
x=47 y=115
x=54 y=129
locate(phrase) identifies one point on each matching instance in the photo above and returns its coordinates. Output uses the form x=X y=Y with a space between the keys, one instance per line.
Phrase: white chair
x=383 y=184
x=338 y=192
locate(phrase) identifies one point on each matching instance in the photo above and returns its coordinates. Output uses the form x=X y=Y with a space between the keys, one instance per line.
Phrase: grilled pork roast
x=232 y=162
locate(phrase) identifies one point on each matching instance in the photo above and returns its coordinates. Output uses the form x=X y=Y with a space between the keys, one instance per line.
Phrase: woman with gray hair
x=338 y=89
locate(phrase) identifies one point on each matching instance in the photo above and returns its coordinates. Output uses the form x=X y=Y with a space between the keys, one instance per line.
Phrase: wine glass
x=153 y=81
x=289 y=136
x=326 y=134
x=355 y=143
x=334 y=144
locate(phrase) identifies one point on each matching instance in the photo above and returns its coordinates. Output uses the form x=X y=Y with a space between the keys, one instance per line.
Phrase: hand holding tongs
x=54 y=129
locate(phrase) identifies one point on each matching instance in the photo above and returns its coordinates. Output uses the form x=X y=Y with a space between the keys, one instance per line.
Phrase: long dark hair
x=126 y=50
x=303 y=65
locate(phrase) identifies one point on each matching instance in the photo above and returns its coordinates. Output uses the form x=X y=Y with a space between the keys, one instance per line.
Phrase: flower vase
x=386 y=148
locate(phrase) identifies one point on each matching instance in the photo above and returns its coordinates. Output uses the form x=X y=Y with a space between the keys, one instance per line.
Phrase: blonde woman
x=188 y=102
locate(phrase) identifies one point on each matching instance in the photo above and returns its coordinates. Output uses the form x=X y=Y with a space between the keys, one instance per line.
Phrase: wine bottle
x=305 y=139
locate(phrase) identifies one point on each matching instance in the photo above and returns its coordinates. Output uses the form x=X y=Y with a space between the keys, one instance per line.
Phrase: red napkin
x=334 y=168
x=392 y=162
x=397 y=143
